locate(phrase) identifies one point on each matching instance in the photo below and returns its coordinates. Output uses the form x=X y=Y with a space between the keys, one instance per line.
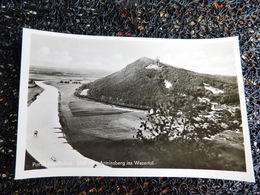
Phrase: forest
x=138 y=87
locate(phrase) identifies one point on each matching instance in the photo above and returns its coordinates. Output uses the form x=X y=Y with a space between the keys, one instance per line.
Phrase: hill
x=145 y=82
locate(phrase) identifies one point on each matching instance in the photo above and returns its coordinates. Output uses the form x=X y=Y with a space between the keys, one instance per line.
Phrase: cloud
x=117 y=57
x=61 y=57
x=44 y=52
x=45 y=56
x=115 y=54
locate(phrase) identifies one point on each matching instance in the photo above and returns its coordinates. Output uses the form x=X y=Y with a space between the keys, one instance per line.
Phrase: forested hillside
x=146 y=82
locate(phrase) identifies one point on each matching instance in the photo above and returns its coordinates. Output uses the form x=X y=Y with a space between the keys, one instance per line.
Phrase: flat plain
x=104 y=132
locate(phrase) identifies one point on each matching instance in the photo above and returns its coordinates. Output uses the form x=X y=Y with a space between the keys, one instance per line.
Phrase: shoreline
x=125 y=106
x=62 y=123
x=49 y=149
x=33 y=93
x=105 y=149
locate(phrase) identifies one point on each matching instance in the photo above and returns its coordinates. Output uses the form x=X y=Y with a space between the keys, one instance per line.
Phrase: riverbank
x=33 y=92
x=111 y=137
x=90 y=120
x=45 y=141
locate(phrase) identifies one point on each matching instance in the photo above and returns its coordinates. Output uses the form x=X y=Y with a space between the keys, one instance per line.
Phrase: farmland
x=100 y=131
x=89 y=120
x=105 y=132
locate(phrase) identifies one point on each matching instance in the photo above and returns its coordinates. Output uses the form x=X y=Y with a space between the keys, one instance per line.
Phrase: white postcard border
x=20 y=173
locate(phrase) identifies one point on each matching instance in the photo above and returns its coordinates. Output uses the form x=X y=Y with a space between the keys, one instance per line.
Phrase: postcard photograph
x=121 y=106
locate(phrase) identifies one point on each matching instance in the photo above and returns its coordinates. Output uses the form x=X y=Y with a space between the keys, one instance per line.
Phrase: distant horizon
x=112 y=71
x=208 y=56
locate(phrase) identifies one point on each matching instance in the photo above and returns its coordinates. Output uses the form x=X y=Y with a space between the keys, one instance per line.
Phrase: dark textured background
x=170 y=19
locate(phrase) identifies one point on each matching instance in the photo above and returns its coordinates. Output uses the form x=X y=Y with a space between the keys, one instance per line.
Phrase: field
x=86 y=120
x=106 y=133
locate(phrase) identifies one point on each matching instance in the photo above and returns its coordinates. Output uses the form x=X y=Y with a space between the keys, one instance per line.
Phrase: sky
x=114 y=53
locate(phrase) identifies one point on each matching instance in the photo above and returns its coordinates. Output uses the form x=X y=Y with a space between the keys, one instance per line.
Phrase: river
x=49 y=147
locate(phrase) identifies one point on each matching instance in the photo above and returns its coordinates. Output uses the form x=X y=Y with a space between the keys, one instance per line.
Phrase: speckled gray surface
x=169 y=19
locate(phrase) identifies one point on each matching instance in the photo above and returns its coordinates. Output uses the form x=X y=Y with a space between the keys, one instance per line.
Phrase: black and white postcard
x=125 y=106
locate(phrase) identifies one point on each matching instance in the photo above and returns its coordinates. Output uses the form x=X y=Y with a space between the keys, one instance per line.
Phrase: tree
x=176 y=119
x=183 y=120
x=175 y=132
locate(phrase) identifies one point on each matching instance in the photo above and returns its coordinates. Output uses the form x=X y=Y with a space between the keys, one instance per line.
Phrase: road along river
x=45 y=141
